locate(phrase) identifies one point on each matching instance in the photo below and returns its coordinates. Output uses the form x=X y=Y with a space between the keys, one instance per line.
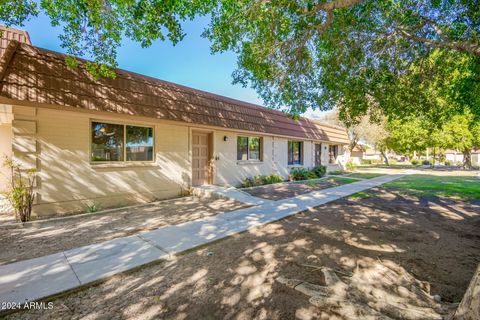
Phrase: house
x=456 y=157
x=135 y=138
x=357 y=154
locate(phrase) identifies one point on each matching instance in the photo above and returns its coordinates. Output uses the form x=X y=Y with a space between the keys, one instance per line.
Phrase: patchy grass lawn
x=365 y=175
x=285 y=190
x=432 y=239
x=422 y=185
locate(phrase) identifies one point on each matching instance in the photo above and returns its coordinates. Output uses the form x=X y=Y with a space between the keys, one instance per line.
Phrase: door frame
x=210 y=166
x=320 y=145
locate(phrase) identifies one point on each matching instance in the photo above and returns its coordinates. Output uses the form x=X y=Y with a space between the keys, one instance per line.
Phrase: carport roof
x=33 y=74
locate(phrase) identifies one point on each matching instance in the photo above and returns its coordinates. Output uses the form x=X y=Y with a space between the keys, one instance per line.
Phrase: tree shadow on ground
x=435 y=240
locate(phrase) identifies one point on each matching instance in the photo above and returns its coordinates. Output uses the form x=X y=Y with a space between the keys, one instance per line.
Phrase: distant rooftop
x=9 y=34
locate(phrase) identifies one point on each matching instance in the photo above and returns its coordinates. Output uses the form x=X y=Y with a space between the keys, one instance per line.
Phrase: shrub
x=392 y=161
x=250 y=182
x=415 y=162
x=20 y=193
x=319 y=171
x=94 y=207
x=350 y=166
x=273 y=178
x=448 y=163
x=305 y=174
x=426 y=162
x=365 y=161
x=301 y=174
x=260 y=180
x=298 y=174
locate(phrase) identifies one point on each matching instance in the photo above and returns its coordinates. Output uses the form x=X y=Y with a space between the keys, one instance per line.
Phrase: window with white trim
x=120 y=142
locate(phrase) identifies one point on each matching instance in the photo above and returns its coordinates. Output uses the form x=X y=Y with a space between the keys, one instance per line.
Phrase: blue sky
x=189 y=63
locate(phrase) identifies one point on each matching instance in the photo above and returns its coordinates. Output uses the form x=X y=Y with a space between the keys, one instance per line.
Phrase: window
x=249 y=148
x=118 y=142
x=332 y=153
x=295 y=153
x=139 y=143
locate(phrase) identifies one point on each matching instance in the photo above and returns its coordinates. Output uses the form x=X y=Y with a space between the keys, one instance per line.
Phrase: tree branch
x=468 y=47
x=332 y=5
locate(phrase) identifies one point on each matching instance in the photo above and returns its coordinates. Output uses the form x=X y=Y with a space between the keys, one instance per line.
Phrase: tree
x=300 y=54
x=318 y=54
x=462 y=133
x=95 y=28
x=407 y=136
x=369 y=129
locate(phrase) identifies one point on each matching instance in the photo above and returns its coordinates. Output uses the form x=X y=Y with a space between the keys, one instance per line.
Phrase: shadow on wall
x=68 y=183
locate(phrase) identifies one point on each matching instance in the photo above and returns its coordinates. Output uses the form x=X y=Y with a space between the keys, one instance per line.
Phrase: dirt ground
x=280 y=191
x=55 y=236
x=434 y=240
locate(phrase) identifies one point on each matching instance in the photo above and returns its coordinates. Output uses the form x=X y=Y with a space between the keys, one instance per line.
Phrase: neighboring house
x=457 y=157
x=357 y=154
x=135 y=139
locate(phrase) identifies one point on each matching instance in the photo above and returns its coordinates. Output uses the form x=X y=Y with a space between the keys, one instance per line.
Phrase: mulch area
x=55 y=236
x=431 y=239
x=285 y=190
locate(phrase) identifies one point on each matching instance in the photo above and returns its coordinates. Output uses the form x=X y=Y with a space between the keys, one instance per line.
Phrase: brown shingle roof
x=33 y=74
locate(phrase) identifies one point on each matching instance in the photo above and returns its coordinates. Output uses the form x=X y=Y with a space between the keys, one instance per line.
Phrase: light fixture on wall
x=225 y=138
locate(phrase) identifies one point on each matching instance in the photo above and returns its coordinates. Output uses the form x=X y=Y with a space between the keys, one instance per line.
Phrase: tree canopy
x=296 y=54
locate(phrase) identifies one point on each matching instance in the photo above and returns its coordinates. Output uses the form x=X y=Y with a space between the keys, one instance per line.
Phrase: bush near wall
x=260 y=180
x=350 y=166
x=306 y=174
x=415 y=162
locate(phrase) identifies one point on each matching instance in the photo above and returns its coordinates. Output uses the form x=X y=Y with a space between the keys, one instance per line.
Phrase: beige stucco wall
x=229 y=171
x=68 y=182
x=5 y=151
x=475 y=159
x=57 y=143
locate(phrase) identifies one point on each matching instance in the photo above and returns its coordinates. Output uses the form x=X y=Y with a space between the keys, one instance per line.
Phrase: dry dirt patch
x=280 y=191
x=434 y=240
x=55 y=236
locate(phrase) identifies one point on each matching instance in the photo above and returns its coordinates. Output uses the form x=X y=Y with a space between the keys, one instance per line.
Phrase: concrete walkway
x=42 y=277
x=231 y=193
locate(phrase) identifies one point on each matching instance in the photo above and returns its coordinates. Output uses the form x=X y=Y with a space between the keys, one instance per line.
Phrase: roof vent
x=9 y=34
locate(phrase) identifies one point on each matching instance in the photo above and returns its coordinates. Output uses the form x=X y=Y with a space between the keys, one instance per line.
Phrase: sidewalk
x=42 y=277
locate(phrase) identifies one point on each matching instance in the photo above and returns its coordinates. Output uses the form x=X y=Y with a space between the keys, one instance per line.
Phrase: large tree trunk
x=467 y=158
x=434 y=155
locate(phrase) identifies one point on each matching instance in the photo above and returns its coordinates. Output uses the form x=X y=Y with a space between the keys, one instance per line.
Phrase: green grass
x=459 y=187
x=365 y=175
x=337 y=173
x=341 y=180
x=362 y=195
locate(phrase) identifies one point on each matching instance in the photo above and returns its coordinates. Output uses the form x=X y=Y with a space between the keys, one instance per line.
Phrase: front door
x=318 y=154
x=200 y=161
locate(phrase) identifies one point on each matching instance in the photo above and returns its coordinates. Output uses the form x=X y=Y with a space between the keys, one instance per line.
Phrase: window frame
x=260 y=149
x=301 y=147
x=124 y=161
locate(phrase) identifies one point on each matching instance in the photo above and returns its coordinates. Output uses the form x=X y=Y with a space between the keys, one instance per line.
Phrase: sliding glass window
x=119 y=142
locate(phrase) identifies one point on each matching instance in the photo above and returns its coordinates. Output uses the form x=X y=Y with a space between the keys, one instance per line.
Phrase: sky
x=189 y=63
